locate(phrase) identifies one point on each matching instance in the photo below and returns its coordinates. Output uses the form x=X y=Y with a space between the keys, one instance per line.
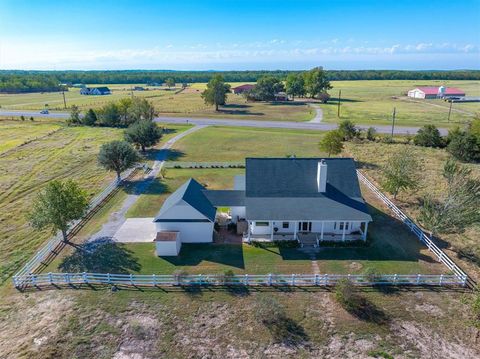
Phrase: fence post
x=34 y=279
x=441 y=279
x=418 y=278
x=316 y=279
x=270 y=279
x=154 y=278
x=464 y=280
x=67 y=278
x=326 y=280
x=245 y=280
x=200 y=279
x=395 y=279
x=84 y=275
x=50 y=278
x=131 y=279
x=293 y=280
x=109 y=280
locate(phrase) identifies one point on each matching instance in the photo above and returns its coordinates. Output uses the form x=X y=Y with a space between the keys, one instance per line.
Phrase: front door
x=304 y=226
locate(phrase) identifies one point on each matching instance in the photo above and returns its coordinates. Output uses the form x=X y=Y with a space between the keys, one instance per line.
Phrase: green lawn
x=235 y=144
x=372 y=103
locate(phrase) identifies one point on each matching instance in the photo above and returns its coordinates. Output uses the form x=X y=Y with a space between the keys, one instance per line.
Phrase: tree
x=90 y=118
x=117 y=156
x=140 y=109
x=401 y=172
x=109 y=115
x=266 y=88
x=459 y=208
x=143 y=133
x=216 y=92
x=348 y=130
x=474 y=126
x=324 y=97
x=332 y=143
x=170 y=82
x=295 y=85
x=57 y=206
x=428 y=136
x=316 y=82
x=463 y=145
x=74 y=118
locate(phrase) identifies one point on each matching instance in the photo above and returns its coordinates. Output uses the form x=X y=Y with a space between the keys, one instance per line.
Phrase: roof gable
x=191 y=192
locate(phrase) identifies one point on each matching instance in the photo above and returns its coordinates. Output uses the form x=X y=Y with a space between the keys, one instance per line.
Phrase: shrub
x=463 y=146
x=371 y=134
x=324 y=97
x=428 y=136
x=348 y=130
x=290 y=243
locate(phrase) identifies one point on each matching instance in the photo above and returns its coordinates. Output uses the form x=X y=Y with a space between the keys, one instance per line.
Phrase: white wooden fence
x=50 y=246
x=297 y=280
x=424 y=238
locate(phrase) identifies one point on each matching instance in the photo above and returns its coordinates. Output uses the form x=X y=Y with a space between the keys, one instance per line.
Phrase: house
x=242 y=88
x=432 y=92
x=304 y=199
x=96 y=91
x=281 y=96
x=138 y=88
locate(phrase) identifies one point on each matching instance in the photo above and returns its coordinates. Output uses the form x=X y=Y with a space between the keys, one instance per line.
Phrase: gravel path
x=117 y=218
x=318 y=113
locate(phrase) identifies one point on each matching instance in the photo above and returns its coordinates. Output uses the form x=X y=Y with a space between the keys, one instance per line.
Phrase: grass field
x=33 y=154
x=372 y=103
x=235 y=144
x=431 y=182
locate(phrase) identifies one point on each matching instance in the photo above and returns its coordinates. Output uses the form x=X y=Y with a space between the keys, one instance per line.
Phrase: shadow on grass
x=388 y=240
x=367 y=165
x=364 y=309
x=193 y=254
x=102 y=255
x=240 y=112
x=158 y=154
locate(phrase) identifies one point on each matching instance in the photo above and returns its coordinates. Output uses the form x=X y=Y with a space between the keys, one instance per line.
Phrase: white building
x=432 y=92
x=303 y=199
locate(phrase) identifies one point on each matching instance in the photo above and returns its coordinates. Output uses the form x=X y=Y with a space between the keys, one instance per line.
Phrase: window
x=262 y=224
x=285 y=225
x=342 y=224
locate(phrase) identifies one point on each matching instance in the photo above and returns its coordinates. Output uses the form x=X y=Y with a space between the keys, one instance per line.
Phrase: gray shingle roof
x=192 y=193
x=286 y=189
x=226 y=198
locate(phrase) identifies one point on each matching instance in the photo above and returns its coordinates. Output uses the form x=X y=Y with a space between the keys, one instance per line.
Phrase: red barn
x=242 y=88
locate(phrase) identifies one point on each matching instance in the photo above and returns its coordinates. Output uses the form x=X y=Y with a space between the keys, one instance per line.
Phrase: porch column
x=343 y=234
x=364 y=235
x=295 y=224
x=271 y=230
x=321 y=233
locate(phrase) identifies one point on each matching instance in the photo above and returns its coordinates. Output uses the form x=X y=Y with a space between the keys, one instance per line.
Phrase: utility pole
x=450 y=110
x=64 y=101
x=393 y=123
x=339 y=99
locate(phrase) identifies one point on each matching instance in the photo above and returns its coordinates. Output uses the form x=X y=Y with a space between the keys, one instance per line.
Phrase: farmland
x=372 y=103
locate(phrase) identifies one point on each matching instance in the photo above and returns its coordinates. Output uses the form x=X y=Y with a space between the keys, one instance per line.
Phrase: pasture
x=372 y=103
x=32 y=154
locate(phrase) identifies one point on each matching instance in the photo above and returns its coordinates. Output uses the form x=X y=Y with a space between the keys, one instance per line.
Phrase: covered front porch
x=311 y=232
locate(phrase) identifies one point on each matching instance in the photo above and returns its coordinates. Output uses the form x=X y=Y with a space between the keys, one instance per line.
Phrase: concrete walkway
x=318 y=113
x=117 y=218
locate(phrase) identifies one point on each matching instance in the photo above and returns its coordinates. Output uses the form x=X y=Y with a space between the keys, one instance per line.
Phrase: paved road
x=240 y=123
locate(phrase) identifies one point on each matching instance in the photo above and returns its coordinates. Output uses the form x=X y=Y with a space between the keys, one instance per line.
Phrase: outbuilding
x=432 y=92
x=168 y=243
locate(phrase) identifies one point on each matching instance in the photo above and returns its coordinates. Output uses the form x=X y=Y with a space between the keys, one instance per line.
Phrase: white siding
x=190 y=232
x=260 y=230
x=182 y=210
x=168 y=248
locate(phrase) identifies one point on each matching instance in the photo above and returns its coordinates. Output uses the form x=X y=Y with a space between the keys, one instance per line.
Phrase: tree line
x=38 y=81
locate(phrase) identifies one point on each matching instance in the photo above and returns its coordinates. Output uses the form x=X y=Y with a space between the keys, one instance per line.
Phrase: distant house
x=138 y=88
x=432 y=92
x=242 y=88
x=281 y=96
x=95 y=91
x=79 y=86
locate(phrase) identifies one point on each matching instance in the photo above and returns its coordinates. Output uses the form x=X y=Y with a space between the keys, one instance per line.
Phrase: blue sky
x=223 y=35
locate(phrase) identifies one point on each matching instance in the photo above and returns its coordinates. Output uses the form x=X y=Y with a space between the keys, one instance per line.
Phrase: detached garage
x=189 y=212
x=167 y=243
